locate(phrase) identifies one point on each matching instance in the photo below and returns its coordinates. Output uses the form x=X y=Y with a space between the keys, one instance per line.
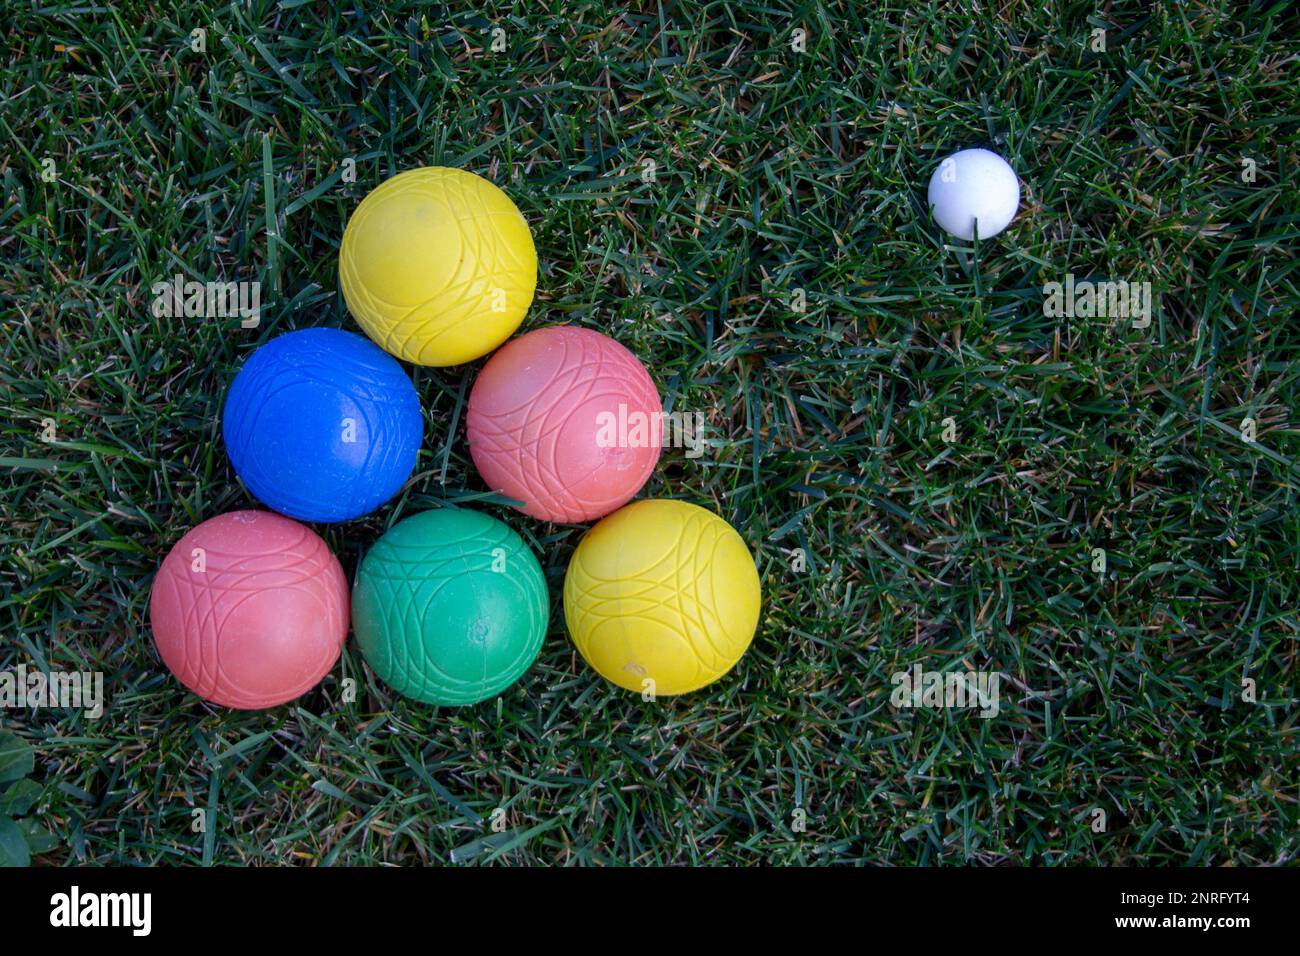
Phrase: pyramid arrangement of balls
x=250 y=609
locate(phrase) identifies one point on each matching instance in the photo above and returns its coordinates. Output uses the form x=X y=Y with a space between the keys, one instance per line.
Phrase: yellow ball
x=437 y=266
x=663 y=591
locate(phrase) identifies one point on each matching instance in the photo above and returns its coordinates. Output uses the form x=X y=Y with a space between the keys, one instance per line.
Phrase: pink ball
x=567 y=421
x=249 y=609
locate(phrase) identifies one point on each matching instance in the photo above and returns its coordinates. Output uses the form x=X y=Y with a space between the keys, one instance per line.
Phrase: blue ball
x=322 y=425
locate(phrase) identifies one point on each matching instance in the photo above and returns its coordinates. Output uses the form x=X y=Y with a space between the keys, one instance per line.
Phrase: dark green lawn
x=775 y=171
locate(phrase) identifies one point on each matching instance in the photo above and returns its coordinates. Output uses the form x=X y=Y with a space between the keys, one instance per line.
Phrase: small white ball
x=974 y=185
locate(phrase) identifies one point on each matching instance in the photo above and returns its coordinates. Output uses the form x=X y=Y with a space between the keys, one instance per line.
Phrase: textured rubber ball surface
x=567 y=421
x=450 y=607
x=663 y=591
x=249 y=610
x=322 y=425
x=437 y=265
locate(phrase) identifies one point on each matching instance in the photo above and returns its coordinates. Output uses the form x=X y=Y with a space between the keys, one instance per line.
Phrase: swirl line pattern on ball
x=518 y=446
x=326 y=364
x=535 y=456
x=278 y=563
x=448 y=568
x=680 y=592
x=227 y=574
x=402 y=583
x=486 y=262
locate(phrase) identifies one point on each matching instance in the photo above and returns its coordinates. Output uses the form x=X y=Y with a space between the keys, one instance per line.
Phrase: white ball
x=974 y=185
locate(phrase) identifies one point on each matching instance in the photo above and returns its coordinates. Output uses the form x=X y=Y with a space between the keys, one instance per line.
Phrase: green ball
x=450 y=607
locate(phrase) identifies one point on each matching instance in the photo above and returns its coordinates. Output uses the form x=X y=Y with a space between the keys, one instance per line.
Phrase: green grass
x=775 y=171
